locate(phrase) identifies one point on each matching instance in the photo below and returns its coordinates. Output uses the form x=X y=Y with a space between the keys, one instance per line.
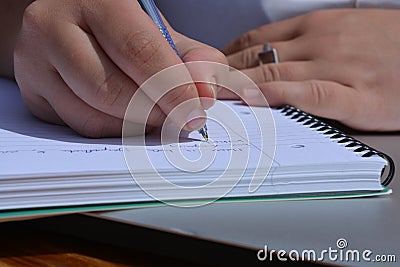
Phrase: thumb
x=320 y=98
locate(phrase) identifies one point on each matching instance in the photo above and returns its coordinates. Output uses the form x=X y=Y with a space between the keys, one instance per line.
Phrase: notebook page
x=32 y=148
x=299 y=145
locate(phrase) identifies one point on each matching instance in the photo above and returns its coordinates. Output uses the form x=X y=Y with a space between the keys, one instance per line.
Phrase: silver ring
x=268 y=55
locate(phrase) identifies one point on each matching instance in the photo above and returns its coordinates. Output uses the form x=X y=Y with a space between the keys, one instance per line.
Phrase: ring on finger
x=268 y=55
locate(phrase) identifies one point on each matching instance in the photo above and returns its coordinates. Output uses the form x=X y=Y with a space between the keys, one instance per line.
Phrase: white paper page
x=29 y=146
x=298 y=145
x=32 y=148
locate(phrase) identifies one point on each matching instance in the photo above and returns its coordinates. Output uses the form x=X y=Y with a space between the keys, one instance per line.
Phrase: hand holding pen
x=151 y=9
x=79 y=63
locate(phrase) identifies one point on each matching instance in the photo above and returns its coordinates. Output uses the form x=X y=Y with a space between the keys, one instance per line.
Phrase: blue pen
x=150 y=7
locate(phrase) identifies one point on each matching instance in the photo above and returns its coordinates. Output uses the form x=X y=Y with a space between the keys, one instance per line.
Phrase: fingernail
x=213 y=86
x=208 y=102
x=254 y=97
x=251 y=93
x=196 y=120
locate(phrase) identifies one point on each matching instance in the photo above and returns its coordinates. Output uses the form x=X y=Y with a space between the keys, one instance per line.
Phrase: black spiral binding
x=349 y=142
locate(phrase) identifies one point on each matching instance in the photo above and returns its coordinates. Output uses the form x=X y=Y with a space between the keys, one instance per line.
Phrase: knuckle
x=271 y=72
x=156 y=118
x=93 y=126
x=218 y=56
x=283 y=97
x=176 y=96
x=33 y=16
x=38 y=106
x=317 y=93
x=287 y=72
x=246 y=57
x=140 y=47
x=29 y=42
x=247 y=39
x=108 y=91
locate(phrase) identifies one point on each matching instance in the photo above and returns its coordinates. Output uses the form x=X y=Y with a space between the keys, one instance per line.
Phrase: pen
x=150 y=8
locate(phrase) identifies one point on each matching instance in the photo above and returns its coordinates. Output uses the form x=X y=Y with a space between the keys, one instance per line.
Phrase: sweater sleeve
x=284 y=9
x=377 y=3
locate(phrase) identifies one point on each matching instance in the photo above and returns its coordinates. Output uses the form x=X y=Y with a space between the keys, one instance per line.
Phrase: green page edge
x=31 y=213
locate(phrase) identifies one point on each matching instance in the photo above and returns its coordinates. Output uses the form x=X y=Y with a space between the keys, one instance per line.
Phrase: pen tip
x=205 y=136
x=204 y=133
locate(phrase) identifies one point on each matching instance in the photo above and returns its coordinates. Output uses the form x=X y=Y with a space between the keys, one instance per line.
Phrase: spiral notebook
x=48 y=169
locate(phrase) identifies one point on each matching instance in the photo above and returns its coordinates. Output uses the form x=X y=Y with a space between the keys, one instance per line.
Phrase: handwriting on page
x=236 y=145
x=69 y=151
x=217 y=145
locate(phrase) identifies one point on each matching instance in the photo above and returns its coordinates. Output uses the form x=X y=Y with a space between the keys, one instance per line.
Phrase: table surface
x=365 y=223
x=28 y=244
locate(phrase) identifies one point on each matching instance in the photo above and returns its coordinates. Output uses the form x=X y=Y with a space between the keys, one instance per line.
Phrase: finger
x=275 y=32
x=29 y=65
x=285 y=71
x=96 y=79
x=86 y=120
x=226 y=94
x=134 y=43
x=40 y=107
x=321 y=98
x=81 y=117
x=248 y=57
x=301 y=71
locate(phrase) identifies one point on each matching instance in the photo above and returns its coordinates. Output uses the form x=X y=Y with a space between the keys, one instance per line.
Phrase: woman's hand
x=79 y=62
x=338 y=64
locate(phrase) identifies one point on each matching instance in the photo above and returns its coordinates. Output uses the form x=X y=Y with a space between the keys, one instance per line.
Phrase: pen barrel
x=167 y=36
x=150 y=8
